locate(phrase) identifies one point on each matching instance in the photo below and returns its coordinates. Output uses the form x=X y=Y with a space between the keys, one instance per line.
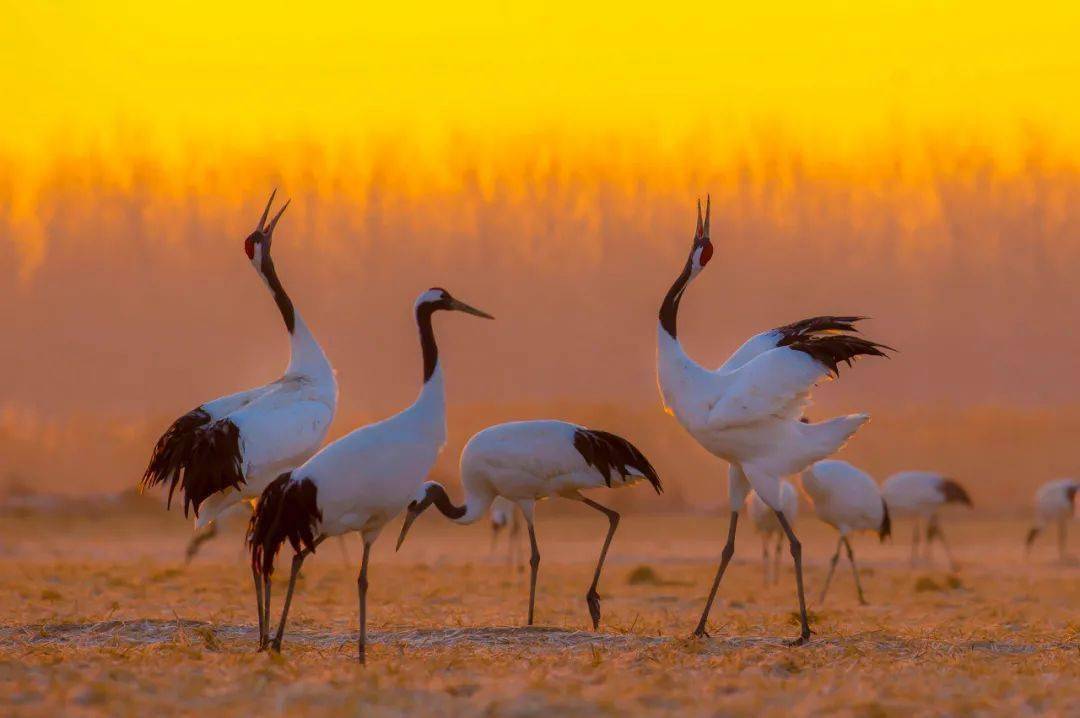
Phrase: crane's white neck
x=306 y=356
x=675 y=369
x=429 y=409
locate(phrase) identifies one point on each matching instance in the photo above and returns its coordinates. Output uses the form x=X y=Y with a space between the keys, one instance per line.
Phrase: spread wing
x=775 y=384
x=787 y=335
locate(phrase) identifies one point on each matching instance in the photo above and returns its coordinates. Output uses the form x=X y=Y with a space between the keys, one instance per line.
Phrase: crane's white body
x=281 y=424
x=368 y=476
x=1052 y=503
x=524 y=461
x=1055 y=505
x=748 y=411
x=849 y=500
x=844 y=497
x=764 y=518
x=914 y=493
x=920 y=495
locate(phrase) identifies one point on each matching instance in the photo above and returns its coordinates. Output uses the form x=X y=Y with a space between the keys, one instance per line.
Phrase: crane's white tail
x=287 y=511
x=827 y=437
x=199 y=455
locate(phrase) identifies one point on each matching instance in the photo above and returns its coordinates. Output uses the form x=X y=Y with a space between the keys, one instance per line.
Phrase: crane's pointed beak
x=409 y=518
x=274 y=221
x=266 y=212
x=463 y=307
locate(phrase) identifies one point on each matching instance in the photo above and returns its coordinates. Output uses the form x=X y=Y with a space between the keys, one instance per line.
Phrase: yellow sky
x=837 y=78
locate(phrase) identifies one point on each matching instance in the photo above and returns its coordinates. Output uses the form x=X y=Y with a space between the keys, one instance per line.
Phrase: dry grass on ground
x=103 y=619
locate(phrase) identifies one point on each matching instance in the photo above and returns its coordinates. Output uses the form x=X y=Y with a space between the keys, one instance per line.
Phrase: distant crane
x=524 y=461
x=848 y=500
x=359 y=482
x=921 y=494
x=768 y=526
x=749 y=411
x=1055 y=503
x=226 y=451
x=504 y=515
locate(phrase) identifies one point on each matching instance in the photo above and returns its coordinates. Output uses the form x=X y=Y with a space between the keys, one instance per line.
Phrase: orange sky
x=912 y=161
x=841 y=75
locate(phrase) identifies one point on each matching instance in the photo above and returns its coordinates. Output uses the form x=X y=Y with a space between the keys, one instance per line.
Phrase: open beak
x=463 y=307
x=263 y=228
x=409 y=518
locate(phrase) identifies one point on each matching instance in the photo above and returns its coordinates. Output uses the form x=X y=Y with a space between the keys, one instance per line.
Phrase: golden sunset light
x=809 y=264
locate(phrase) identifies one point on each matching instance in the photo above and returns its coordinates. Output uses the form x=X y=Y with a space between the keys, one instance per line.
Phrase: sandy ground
x=101 y=617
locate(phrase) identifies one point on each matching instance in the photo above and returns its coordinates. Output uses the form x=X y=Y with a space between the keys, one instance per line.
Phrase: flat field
x=100 y=616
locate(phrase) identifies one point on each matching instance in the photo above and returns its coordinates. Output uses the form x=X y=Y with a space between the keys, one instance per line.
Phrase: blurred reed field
x=128 y=298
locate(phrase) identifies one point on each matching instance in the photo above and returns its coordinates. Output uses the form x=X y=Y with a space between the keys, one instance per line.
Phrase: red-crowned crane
x=749 y=411
x=524 y=461
x=359 y=482
x=226 y=451
x=847 y=499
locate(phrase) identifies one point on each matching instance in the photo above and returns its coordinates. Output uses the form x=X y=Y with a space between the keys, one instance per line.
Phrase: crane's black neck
x=281 y=298
x=427 y=338
x=437 y=495
x=669 y=309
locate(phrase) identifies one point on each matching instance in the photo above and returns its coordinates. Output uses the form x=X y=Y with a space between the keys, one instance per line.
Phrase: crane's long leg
x=765 y=558
x=832 y=568
x=534 y=565
x=796 y=556
x=1032 y=534
x=361 y=589
x=915 y=543
x=514 y=541
x=854 y=570
x=198 y=540
x=725 y=559
x=345 y=557
x=776 y=557
x=297 y=562
x=259 y=603
x=1063 y=549
x=933 y=531
x=592 y=598
x=266 y=610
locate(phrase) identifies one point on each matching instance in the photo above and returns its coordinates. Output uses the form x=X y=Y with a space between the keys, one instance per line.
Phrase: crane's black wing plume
x=199 y=455
x=607 y=452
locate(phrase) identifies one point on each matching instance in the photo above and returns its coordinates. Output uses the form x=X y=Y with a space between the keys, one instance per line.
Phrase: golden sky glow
x=917 y=162
x=838 y=78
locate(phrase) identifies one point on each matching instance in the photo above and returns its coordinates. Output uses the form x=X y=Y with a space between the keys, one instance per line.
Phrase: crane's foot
x=700 y=632
x=801 y=640
x=592 y=598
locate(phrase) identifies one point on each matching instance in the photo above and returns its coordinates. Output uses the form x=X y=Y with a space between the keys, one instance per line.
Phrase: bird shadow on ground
x=145 y=632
